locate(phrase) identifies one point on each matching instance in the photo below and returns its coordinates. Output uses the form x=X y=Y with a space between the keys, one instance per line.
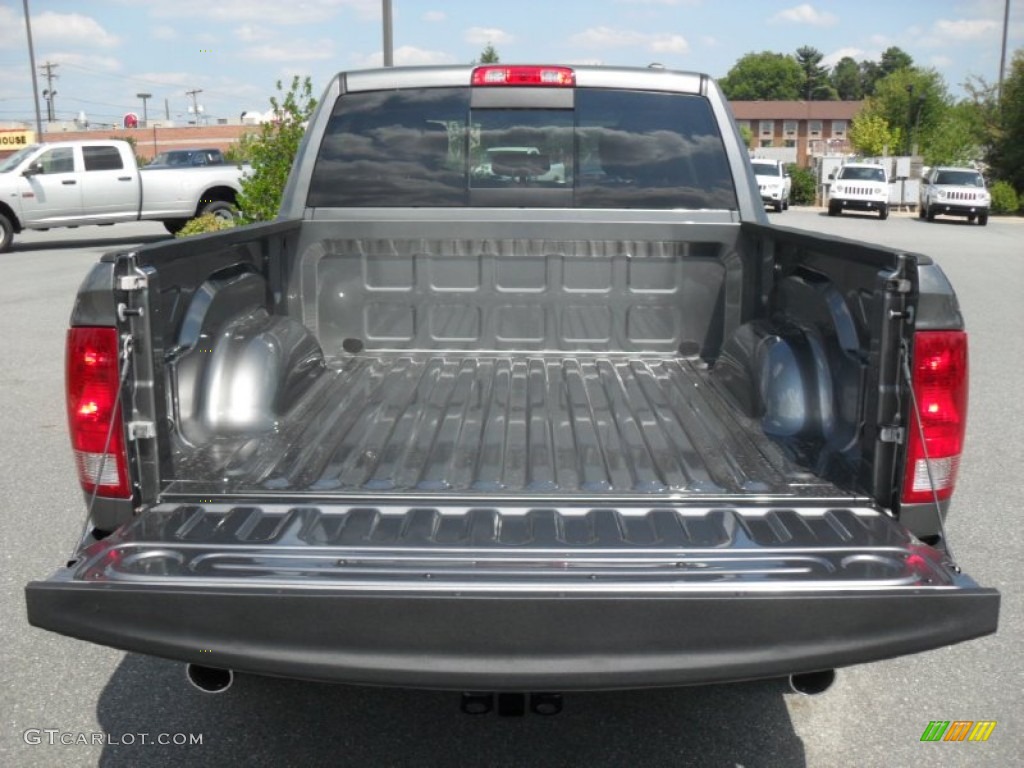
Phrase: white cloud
x=485 y=35
x=709 y=42
x=265 y=11
x=405 y=56
x=670 y=44
x=941 y=62
x=434 y=16
x=294 y=50
x=964 y=30
x=70 y=29
x=12 y=28
x=946 y=33
x=857 y=54
x=249 y=33
x=607 y=37
x=806 y=14
x=164 y=32
x=88 y=61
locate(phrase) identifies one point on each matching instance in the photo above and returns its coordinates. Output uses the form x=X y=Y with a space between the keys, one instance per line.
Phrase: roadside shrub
x=273 y=150
x=208 y=222
x=804 y=182
x=1004 y=198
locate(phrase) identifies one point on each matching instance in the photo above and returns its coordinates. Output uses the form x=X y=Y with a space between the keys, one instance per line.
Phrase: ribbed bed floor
x=403 y=423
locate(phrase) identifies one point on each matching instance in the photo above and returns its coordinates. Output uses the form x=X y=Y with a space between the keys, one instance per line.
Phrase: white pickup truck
x=74 y=183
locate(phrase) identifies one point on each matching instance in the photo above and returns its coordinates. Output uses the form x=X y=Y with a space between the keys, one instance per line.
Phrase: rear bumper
x=516 y=642
x=514 y=598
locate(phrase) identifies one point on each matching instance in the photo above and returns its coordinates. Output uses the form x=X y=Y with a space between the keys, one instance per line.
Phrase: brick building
x=810 y=127
x=150 y=141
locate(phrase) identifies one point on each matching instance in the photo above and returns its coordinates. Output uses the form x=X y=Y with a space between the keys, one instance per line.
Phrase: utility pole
x=32 y=64
x=195 y=104
x=145 y=114
x=49 y=93
x=389 y=45
x=1002 y=57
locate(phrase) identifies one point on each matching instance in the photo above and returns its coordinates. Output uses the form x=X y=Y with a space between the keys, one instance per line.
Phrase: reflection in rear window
x=614 y=149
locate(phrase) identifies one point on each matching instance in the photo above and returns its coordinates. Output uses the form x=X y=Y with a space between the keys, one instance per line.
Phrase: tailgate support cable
x=927 y=461
x=125 y=358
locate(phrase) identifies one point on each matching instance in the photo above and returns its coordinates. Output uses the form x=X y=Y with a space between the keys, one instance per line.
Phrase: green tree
x=913 y=103
x=241 y=151
x=959 y=137
x=764 y=76
x=804 y=183
x=1007 y=154
x=870 y=134
x=747 y=135
x=846 y=79
x=894 y=59
x=816 y=85
x=488 y=56
x=870 y=73
x=273 y=151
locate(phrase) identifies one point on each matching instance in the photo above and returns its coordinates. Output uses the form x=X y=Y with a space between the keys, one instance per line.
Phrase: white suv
x=954 y=192
x=774 y=182
x=860 y=187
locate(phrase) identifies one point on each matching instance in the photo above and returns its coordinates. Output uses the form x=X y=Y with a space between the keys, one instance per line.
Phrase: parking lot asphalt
x=873 y=716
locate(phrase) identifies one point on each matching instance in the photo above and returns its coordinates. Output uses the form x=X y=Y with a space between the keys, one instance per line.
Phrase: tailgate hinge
x=141 y=430
x=898 y=285
x=132 y=283
x=892 y=435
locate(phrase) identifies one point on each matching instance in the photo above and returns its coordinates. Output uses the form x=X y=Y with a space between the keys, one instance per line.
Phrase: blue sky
x=234 y=50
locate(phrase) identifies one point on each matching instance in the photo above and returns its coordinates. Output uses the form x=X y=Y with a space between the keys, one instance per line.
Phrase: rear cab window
x=102 y=158
x=592 y=148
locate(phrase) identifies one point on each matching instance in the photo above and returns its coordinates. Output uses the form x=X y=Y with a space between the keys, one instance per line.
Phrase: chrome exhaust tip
x=209 y=679
x=812 y=683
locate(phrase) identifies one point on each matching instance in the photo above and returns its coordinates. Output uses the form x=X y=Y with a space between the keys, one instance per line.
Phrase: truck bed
x=427 y=423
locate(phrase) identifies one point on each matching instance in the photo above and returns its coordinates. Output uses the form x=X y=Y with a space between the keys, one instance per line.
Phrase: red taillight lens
x=92 y=385
x=940 y=386
x=498 y=75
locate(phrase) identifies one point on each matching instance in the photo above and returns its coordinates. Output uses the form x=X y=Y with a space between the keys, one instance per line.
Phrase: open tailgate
x=514 y=596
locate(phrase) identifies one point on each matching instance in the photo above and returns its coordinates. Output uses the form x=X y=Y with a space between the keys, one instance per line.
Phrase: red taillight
x=92 y=387
x=940 y=386
x=498 y=75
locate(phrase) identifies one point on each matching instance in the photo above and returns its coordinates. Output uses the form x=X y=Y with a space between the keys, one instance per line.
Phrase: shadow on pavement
x=92 y=242
x=270 y=722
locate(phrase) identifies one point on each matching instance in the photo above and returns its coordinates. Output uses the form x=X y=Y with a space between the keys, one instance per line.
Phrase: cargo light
x=936 y=431
x=562 y=77
x=94 y=418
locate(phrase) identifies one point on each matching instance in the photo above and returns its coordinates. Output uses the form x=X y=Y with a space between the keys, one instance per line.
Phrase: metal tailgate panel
x=514 y=597
x=513 y=548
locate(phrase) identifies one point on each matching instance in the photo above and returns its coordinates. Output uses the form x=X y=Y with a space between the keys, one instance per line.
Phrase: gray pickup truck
x=521 y=430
